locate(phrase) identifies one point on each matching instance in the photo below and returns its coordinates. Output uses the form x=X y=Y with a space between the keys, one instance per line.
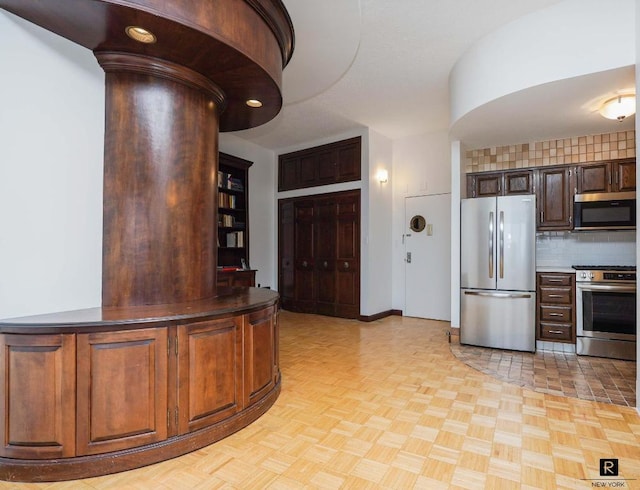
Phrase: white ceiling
x=385 y=65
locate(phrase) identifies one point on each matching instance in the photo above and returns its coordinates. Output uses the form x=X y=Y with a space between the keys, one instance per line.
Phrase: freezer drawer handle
x=498 y=295
x=491 y=245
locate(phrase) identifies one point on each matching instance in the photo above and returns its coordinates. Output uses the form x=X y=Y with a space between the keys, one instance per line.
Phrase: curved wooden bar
x=103 y=390
x=165 y=366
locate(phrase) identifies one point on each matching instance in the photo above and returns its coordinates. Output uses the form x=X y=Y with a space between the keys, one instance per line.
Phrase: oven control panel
x=619 y=276
x=606 y=276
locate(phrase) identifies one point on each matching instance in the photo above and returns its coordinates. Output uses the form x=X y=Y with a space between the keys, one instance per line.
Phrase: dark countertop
x=229 y=302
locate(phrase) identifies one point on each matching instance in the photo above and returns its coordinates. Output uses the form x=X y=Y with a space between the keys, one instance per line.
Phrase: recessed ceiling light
x=140 y=34
x=254 y=103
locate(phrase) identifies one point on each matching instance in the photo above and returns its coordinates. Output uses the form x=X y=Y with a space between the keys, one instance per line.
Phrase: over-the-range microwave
x=605 y=211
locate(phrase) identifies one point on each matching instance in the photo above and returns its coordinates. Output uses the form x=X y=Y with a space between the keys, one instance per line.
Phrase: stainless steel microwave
x=605 y=211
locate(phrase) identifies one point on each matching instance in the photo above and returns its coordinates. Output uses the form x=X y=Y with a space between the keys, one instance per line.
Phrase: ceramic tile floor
x=557 y=373
x=386 y=405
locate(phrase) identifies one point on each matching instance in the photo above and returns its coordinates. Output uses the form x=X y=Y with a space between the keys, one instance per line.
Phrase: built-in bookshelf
x=233 y=211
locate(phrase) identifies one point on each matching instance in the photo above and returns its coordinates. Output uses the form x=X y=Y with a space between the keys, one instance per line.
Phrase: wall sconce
x=382 y=176
x=619 y=107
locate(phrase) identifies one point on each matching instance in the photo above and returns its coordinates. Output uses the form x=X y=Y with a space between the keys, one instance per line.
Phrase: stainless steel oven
x=606 y=311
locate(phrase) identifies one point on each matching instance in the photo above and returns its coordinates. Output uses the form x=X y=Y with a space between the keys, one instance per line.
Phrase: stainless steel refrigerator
x=498 y=280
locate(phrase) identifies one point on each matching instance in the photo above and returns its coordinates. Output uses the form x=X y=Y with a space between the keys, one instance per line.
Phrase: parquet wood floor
x=386 y=405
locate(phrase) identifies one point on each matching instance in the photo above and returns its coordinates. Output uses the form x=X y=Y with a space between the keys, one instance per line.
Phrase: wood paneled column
x=160 y=170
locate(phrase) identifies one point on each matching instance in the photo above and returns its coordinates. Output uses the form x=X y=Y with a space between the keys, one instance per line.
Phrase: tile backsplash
x=581 y=149
x=564 y=249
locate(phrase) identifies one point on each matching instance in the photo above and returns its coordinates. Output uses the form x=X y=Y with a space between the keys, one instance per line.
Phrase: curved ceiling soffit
x=328 y=37
x=559 y=109
x=522 y=59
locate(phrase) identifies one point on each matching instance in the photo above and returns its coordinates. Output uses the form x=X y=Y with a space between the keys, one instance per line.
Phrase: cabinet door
x=327 y=164
x=122 y=389
x=325 y=256
x=518 y=183
x=348 y=166
x=308 y=174
x=594 y=178
x=348 y=256
x=624 y=176
x=485 y=185
x=304 y=256
x=209 y=372
x=286 y=257
x=288 y=173
x=260 y=373
x=38 y=396
x=554 y=199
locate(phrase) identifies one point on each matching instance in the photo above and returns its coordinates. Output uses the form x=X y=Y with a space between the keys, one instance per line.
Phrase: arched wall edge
x=569 y=39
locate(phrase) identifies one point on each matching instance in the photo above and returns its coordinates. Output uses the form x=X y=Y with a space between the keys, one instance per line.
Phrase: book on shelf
x=235 y=239
x=227 y=201
x=227 y=181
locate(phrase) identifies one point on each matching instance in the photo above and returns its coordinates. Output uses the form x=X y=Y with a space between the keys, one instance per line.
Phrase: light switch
x=430 y=230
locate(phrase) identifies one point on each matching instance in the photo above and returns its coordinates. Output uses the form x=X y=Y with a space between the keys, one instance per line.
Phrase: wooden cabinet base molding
x=98 y=391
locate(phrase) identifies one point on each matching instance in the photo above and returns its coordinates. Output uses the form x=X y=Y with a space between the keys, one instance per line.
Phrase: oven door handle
x=607 y=287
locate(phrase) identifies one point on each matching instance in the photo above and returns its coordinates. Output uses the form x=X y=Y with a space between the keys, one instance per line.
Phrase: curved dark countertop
x=241 y=300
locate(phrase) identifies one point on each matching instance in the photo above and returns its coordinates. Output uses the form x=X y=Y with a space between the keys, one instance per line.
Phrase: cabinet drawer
x=551 y=331
x=562 y=314
x=561 y=296
x=554 y=279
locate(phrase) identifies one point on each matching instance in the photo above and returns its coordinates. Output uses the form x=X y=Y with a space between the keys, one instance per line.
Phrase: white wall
x=421 y=166
x=263 y=226
x=457 y=185
x=376 y=266
x=51 y=154
x=569 y=39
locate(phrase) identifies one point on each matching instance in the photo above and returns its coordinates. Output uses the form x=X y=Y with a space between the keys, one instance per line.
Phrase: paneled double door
x=319 y=254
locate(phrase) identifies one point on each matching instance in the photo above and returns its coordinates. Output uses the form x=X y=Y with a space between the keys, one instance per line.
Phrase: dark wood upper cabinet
x=484 y=185
x=321 y=165
x=624 y=175
x=505 y=183
x=594 y=178
x=555 y=198
x=612 y=176
x=520 y=182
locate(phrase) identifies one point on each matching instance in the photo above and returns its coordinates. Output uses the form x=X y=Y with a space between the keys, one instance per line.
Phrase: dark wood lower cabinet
x=319 y=254
x=209 y=367
x=122 y=390
x=91 y=402
x=38 y=396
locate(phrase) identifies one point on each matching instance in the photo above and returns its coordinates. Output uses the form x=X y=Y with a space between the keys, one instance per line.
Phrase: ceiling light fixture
x=255 y=103
x=619 y=107
x=140 y=34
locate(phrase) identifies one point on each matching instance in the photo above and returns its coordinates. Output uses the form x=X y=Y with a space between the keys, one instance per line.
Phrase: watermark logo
x=608 y=467
x=609 y=475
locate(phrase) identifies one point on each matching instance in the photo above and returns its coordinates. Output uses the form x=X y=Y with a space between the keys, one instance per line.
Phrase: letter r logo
x=608 y=467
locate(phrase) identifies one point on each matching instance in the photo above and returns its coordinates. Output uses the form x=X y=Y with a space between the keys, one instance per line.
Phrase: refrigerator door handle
x=499 y=295
x=491 y=244
x=501 y=244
